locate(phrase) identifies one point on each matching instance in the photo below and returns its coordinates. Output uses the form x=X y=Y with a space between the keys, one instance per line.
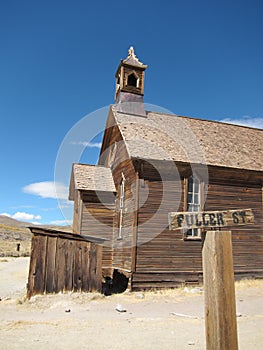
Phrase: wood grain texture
x=220 y=303
x=63 y=263
x=162 y=257
x=208 y=219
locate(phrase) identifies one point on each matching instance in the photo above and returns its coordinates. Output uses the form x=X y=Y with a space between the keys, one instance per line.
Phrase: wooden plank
x=99 y=252
x=69 y=265
x=95 y=267
x=50 y=264
x=32 y=267
x=59 y=272
x=220 y=304
x=77 y=272
x=38 y=268
x=206 y=219
x=85 y=260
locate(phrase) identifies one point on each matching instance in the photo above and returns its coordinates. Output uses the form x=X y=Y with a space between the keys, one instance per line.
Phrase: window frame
x=135 y=75
x=121 y=208
x=189 y=234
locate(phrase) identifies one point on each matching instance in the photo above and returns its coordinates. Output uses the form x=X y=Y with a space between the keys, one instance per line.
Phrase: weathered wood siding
x=77 y=212
x=167 y=259
x=98 y=210
x=117 y=158
x=123 y=248
x=63 y=262
x=247 y=240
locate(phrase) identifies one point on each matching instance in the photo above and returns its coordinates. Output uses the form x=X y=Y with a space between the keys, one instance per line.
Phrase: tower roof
x=132 y=60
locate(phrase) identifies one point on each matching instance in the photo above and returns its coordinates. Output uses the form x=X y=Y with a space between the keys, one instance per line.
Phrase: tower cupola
x=130 y=82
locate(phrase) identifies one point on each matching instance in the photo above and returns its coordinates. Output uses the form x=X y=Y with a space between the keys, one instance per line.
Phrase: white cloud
x=60 y=222
x=47 y=189
x=87 y=144
x=246 y=120
x=22 y=216
x=25 y=216
x=6 y=214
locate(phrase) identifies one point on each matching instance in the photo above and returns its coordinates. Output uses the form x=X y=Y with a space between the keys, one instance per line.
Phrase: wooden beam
x=219 y=288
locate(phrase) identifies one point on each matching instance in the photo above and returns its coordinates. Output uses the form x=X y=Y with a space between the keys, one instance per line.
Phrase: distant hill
x=11 y=229
x=14 y=233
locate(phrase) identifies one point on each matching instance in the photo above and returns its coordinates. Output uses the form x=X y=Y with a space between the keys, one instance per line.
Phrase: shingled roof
x=86 y=177
x=170 y=137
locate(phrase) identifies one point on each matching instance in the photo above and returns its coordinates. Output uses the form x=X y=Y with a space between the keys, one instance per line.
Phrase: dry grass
x=191 y=290
x=9 y=248
x=180 y=290
x=249 y=283
x=11 y=228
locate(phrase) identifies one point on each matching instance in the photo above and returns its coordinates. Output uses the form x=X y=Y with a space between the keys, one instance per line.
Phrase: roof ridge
x=94 y=165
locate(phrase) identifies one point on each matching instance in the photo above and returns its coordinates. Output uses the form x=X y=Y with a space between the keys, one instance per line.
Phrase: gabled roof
x=162 y=136
x=131 y=59
x=86 y=177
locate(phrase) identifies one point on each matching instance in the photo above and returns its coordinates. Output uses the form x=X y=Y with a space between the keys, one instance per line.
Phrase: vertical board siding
x=63 y=263
x=77 y=268
x=60 y=266
x=36 y=278
x=50 y=263
x=69 y=261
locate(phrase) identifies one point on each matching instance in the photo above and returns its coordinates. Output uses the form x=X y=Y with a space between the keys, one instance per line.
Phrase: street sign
x=207 y=219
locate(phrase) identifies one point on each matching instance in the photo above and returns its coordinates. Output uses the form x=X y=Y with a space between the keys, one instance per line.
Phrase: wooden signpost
x=218 y=271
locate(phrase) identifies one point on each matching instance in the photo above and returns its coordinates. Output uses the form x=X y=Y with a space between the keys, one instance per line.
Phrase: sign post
x=218 y=271
x=219 y=292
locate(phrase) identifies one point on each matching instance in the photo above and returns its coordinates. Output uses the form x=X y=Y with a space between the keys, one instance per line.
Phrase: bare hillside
x=15 y=236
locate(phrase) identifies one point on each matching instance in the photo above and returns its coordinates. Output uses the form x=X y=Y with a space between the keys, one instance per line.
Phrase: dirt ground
x=171 y=319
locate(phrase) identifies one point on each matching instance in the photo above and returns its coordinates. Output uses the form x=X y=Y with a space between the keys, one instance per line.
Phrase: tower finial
x=131 y=51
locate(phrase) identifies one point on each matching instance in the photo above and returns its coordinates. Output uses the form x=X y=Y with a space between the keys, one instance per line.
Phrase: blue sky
x=57 y=65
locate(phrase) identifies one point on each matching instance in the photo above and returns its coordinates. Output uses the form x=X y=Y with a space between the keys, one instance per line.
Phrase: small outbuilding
x=62 y=261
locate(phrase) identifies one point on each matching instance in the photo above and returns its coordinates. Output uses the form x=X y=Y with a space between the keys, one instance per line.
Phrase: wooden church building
x=153 y=163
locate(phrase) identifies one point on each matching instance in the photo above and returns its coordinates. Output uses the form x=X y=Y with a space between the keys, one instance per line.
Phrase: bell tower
x=130 y=85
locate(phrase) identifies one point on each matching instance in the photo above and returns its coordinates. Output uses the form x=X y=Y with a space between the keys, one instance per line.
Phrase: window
x=132 y=80
x=121 y=206
x=193 y=202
